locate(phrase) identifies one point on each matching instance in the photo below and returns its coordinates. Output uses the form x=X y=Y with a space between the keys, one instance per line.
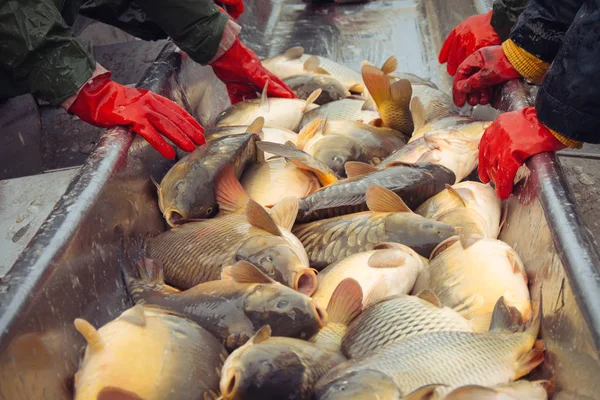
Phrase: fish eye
x=209 y=211
x=179 y=185
x=427 y=226
x=282 y=304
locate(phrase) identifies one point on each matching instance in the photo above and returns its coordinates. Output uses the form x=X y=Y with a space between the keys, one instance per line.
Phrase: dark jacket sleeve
x=569 y=99
x=505 y=15
x=542 y=26
x=38 y=51
x=196 y=26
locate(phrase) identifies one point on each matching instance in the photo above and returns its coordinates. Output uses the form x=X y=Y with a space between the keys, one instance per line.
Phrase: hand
x=508 y=142
x=235 y=8
x=243 y=74
x=470 y=35
x=105 y=103
x=476 y=76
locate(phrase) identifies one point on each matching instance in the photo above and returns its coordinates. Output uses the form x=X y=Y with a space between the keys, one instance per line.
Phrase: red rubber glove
x=243 y=74
x=508 y=142
x=235 y=8
x=470 y=35
x=105 y=103
x=476 y=76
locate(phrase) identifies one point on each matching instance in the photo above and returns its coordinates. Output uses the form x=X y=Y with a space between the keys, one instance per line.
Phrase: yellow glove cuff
x=529 y=66
x=574 y=144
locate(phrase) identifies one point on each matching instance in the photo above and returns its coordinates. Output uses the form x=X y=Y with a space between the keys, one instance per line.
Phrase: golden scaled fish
x=349 y=109
x=196 y=252
x=518 y=390
x=470 y=273
x=187 y=190
x=234 y=308
x=444 y=360
x=389 y=220
x=336 y=142
x=304 y=85
x=148 y=353
x=277 y=112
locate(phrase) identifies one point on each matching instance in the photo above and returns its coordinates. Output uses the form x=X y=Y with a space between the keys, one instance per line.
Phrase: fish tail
x=150 y=282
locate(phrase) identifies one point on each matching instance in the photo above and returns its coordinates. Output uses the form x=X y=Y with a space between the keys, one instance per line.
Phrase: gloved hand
x=105 y=103
x=243 y=74
x=508 y=142
x=235 y=8
x=476 y=76
x=470 y=35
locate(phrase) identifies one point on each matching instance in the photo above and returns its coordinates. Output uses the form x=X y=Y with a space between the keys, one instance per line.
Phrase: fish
x=473 y=206
x=470 y=273
x=401 y=316
x=304 y=85
x=277 y=112
x=444 y=360
x=451 y=123
x=267 y=133
x=437 y=105
x=286 y=368
x=394 y=76
x=385 y=272
x=148 y=353
x=231 y=309
x=187 y=190
x=196 y=252
x=393 y=101
x=518 y=390
x=331 y=240
x=349 y=109
x=336 y=142
x=292 y=63
x=349 y=78
x=270 y=182
x=455 y=150
x=414 y=183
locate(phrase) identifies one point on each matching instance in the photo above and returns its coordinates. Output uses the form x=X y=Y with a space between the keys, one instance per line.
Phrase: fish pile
x=325 y=247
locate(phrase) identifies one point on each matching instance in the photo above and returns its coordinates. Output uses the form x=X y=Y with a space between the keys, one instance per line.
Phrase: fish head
x=430 y=229
x=365 y=384
x=259 y=369
x=288 y=312
x=182 y=197
x=280 y=260
x=335 y=151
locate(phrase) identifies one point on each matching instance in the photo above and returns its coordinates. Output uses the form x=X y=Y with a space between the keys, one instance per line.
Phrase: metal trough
x=71 y=268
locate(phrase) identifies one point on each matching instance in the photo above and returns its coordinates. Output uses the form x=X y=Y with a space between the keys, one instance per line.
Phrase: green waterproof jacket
x=39 y=55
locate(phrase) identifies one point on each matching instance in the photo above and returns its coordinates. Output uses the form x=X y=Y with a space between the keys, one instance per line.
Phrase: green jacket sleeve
x=505 y=15
x=39 y=52
x=196 y=26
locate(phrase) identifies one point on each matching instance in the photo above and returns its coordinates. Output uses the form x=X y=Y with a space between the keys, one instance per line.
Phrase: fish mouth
x=173 y=217
x=305 y=281
x=321 y=315
x=229 y=389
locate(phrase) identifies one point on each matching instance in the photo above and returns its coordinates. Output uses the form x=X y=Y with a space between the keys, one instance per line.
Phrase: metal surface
x=72 y=266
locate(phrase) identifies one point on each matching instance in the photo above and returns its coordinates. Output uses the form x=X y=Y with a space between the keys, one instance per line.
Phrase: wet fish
x=232 y=309
x=148 y=353
x=196 y=252
x=519 y=390
x=292 y=63
x=394 y=76
x=188 y=189
x=267 y=133
x=350 y=109
x=399 y=317
x=380 y=272
x=444 y=359
x=413 y=183
x=270 y=182
x=470 y=273
x=305 y=85
x=437 y=105
x=451 y=123
x=472 y=206
x=455 y=150
x=336 y=142
x=277 y=112
x=349 y=78
x=389 y=220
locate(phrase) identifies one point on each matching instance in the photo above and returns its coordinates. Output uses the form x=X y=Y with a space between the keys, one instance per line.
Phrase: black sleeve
x=542 y=26
x=569 y=99
x=505 y=15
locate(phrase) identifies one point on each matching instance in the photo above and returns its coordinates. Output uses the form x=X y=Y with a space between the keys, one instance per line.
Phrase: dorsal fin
x=259 y=218
x=256 y=126
x=91 y=335
x=311 y=99
x=313 y=128
x=357 y=168
x=284 y=212
x=505 y=318
x=264 y=97
x=390 y=258
x=312 y=64
x=294 y=53
x=430 y=297
x=390 y=65
x=245 y=272
x=427 y=392
x=380 y=199
x=345 y=303
x=135 y=315
x=417 y=111
x=230 y=193
x=261 y=335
